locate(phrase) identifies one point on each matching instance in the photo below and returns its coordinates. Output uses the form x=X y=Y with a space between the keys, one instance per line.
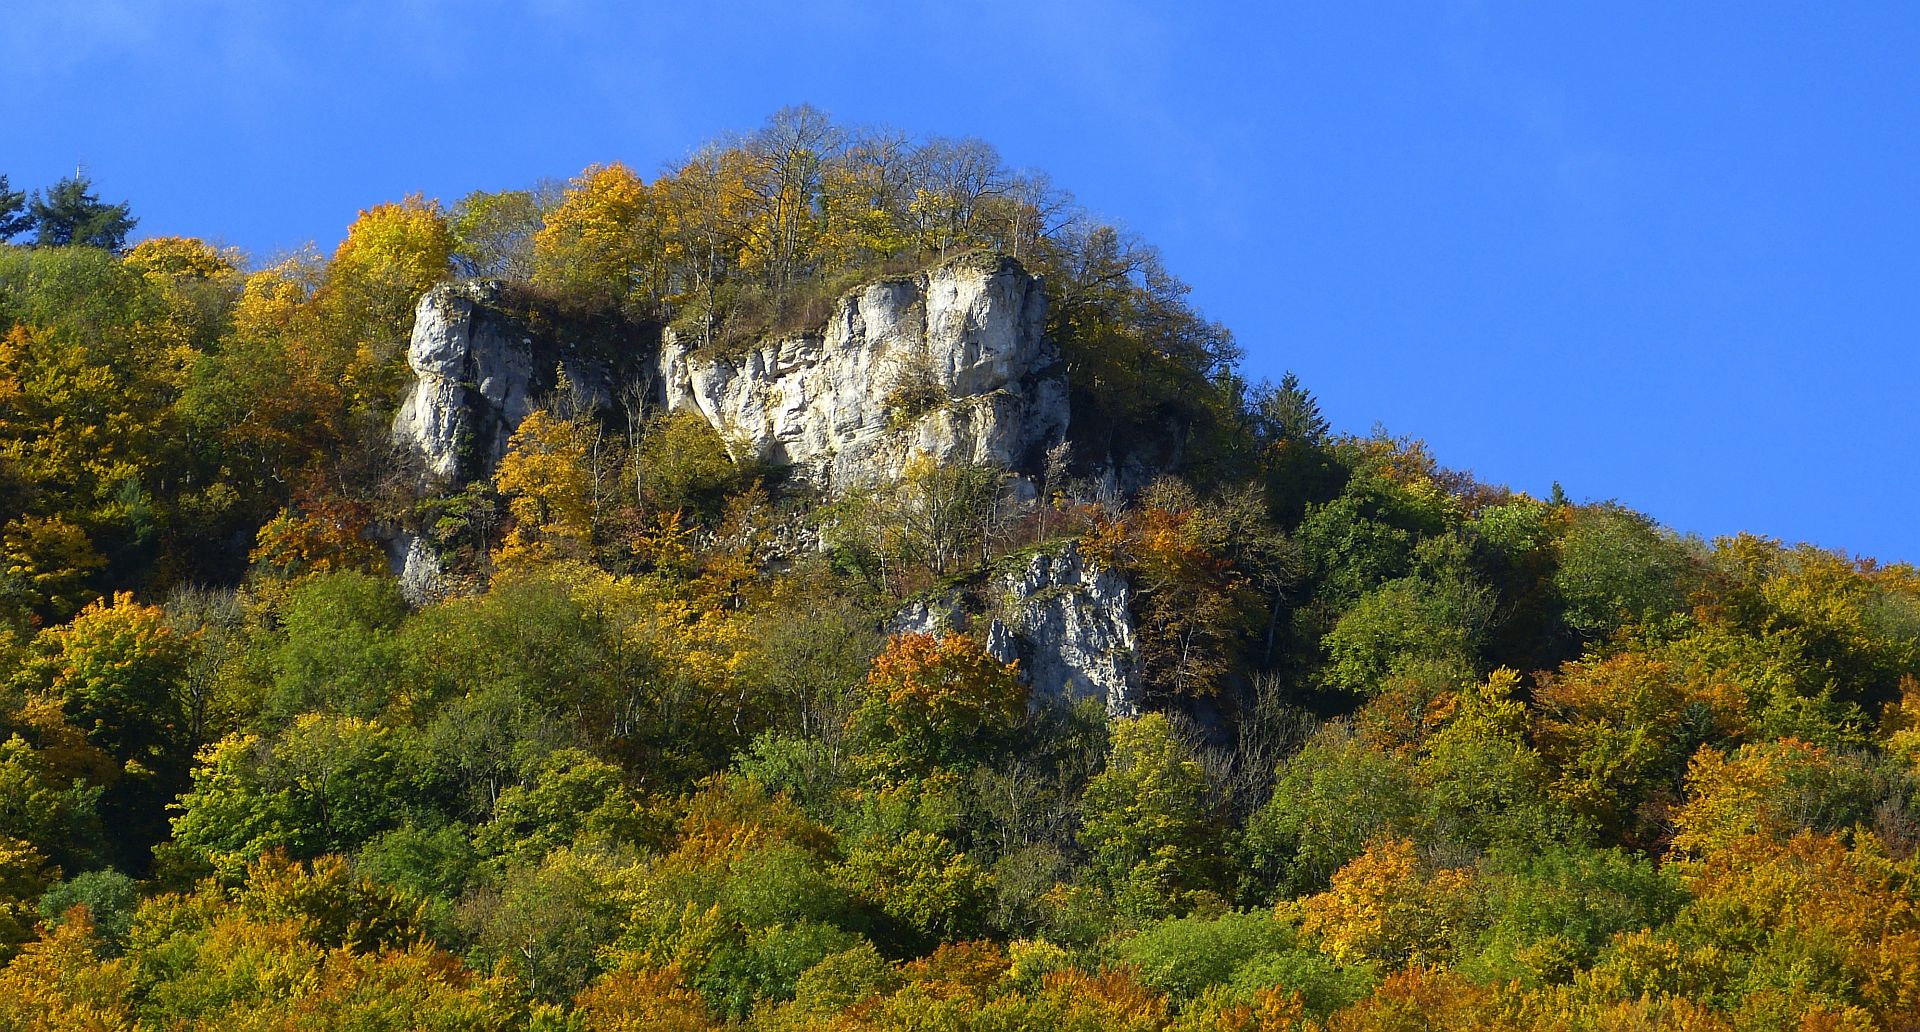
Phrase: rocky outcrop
x=1073 y=629
x=931 y=616
x=417 y=567
x=481 y=368
x=952 y=365
x=1065 y=620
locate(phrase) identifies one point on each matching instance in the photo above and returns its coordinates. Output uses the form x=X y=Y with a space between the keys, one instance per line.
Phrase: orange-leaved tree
x=935 y=701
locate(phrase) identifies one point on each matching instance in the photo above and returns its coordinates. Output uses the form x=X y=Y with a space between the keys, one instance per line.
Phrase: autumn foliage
x=1306 y=732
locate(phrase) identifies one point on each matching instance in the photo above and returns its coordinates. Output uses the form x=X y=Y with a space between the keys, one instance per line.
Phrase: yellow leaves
x=177 y=258
x=59 y=746
x=24 y=875
x=642 y=1001
x=48 y=562
x=1273 y=1009
x=548 y=487
x=701 y=641
x=1750 y=793
x=1616 y=726
x=59 y=984
x=1408 y=462
x=77 y=423
x=862 y=202
x=396 y=250
x=922 y=880
x=1486 y=710
x=297 y=948
x=1902 y=724
x=1813 y=889
x=1111 y=1000
x=1388 y=907
x=729 y=817
x=1419 y=997
x=117 y=666
x=392 y=254
x=270 y=297
x=593 y=246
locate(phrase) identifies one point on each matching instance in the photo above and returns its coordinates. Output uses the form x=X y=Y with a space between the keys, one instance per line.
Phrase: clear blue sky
x=1659 y=252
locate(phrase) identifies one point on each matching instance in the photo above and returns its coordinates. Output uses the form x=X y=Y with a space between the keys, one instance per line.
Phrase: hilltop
x=840 y=583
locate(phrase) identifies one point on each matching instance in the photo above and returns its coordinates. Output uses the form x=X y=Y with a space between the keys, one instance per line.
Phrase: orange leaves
x=729 y=817
x=642 y=1001
x=958 y=968
x=1422 y=998
x=1806 y=882
x=946 y=687
x=1857 y=903
x=934 y=702
x=322 y=537
x=1111 y=999
x=1273 y=1009
x=1190 y=600
x=1620 y=730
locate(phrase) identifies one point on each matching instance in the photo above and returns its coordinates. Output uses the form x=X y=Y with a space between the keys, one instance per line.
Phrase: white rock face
x=1065 y=620
x=1073 y=630
x=936 y=617
x=414 y=563
x=479 y=371
x=951 y=364
x=473 y=382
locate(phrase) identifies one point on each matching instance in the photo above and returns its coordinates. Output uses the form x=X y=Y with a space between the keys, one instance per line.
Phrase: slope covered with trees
x=1418 y=751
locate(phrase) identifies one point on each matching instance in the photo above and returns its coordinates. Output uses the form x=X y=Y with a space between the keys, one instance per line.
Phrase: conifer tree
x=70 y=213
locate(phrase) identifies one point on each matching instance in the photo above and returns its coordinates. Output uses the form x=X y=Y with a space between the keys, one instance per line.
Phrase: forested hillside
x=674 y=744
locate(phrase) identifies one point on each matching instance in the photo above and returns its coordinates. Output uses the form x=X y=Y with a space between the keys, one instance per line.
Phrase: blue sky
x=1660 y=253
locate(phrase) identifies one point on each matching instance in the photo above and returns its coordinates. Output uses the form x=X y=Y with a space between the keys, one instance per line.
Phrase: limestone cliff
x=951 y=364
x=1073 y=628
x=1067 y=621
x=481 y=366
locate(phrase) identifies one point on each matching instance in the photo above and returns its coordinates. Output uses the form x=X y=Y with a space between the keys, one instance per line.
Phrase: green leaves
x=1146 y=822
x=70 y=213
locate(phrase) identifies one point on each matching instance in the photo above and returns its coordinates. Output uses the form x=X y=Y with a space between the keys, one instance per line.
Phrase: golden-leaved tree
x=548 y=486
x=596 y=247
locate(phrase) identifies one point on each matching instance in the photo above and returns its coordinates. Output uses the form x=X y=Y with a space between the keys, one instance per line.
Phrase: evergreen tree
x=70 y=213
x=1289 y=413
x=14 y=219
